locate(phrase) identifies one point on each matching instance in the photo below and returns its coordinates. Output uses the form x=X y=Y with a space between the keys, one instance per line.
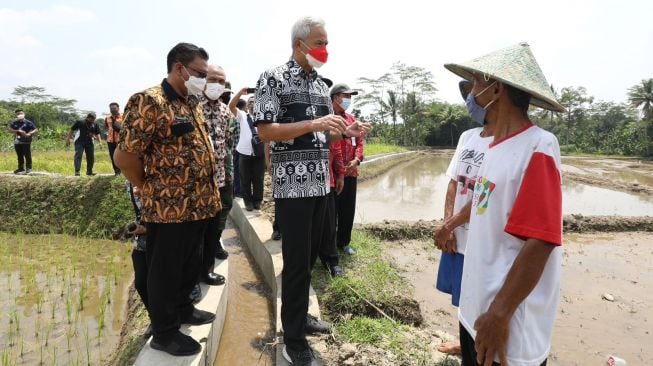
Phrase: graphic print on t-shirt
x=471 y=160
x=483 y=190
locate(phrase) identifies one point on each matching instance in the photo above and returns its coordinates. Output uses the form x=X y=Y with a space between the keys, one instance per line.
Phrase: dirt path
x=588 y=326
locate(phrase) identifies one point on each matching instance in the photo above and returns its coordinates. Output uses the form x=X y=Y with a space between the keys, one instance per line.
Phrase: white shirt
x=518 y=195
x=244 y=145
x=462 y=169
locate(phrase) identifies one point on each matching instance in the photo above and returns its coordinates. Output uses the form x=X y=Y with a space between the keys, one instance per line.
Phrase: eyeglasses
x=201 y=74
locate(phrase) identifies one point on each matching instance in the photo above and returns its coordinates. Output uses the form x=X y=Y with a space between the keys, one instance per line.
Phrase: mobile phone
x=251 y=90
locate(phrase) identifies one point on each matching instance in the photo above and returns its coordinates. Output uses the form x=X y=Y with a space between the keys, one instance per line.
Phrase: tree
x=390 y=93
x=641 y=96
x=576 y=102
x=44 y=109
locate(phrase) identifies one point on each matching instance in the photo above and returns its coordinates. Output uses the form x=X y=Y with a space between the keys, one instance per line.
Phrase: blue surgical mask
x=476 y=111
x=346 y=102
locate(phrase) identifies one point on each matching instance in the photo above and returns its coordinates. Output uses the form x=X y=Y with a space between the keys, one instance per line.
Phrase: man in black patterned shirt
x=293 y=112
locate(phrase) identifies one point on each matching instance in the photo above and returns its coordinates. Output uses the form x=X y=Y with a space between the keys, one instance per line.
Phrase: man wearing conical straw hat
x=511 y=275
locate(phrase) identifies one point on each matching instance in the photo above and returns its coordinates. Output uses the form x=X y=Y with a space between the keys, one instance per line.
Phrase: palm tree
x=391 y=106
x=449 y=116
x=641 y=96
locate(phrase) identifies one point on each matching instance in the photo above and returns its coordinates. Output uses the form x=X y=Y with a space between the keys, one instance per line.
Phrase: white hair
x=302 y=27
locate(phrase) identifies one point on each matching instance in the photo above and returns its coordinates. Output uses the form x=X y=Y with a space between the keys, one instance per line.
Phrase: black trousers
x=346 y=208
x=89 y=149
x=252 y=170
x=301 y=221
x=24 y=155
x=173 y=261
x=328 y=252
x=112 y=148
x=210 y=244
x=236 y=161
x=139 y=260
x=468 y=351
x=275 y=223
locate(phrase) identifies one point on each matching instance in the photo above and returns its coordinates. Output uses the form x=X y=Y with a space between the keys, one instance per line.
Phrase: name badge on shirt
x=353 y=141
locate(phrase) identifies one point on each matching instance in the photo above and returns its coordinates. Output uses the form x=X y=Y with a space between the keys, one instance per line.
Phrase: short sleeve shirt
x=168 y=132
x=463 y=169
x=25 y=125
x=216 y=115
x=287 y=94
x=86 y=132
x=518 y=195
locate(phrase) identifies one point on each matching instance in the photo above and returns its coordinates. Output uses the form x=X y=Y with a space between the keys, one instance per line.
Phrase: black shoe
x=148 y=332
x=198 y=317
x=116 y=174
x=19 y=171
x=313 y=325
x=196 y=294
x=90 y=174
x=249 y=206
x=336 y=271
x=257 y=205
x=221 y=253
x=178 y=344
x=29 y=170
x=213 y=279
x=276 y=235
x=77 y=174
x=299 y=358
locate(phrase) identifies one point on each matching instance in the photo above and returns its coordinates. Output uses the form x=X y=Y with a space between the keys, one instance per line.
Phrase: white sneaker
x=349 y=250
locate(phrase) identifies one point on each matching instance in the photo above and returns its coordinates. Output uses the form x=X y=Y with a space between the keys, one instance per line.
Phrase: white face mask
x=214 y=90
x=194 y=84
x=20 y=116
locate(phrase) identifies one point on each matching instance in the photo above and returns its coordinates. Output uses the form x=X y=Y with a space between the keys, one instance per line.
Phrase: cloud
x=18 y=26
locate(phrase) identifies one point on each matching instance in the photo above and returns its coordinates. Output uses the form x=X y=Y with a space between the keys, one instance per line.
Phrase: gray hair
x=302 y=27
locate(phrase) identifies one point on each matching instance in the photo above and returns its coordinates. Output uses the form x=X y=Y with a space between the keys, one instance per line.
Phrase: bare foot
x=449 y=348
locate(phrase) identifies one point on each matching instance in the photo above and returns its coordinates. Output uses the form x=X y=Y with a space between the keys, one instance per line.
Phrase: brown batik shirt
x=217 y=117
x=168 y=133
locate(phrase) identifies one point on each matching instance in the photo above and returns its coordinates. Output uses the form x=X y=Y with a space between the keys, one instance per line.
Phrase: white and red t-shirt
x=463 y=168
x=518 y=195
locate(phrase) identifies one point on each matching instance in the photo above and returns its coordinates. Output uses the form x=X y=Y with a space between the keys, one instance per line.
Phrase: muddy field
x=607 y=289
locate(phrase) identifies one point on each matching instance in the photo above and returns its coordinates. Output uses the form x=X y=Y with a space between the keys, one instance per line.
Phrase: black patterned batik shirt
x=287 y=94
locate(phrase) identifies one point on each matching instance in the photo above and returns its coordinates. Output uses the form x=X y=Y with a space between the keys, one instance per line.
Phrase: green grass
x=382 y=148
x=58 y=161
x=368 y=273
x=97 y=207
x=378 y=332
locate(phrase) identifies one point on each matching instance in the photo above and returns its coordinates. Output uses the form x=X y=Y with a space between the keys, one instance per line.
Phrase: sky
x=98 y=52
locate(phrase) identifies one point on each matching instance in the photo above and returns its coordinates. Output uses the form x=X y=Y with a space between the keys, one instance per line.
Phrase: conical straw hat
x=515 y=66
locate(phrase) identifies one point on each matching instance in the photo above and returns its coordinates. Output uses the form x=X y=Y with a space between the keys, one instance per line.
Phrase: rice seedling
x=48 y=332
x=41 y=353
x=6 y=357
x=87 y=342
x=70 y=333
x=82 y=294
x=69 y=308
x=10 y=336
x=53 y=308
x=15 y=320
x=40 y=300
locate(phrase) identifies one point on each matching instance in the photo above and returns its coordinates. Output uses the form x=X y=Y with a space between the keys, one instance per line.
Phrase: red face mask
x=317 y=56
